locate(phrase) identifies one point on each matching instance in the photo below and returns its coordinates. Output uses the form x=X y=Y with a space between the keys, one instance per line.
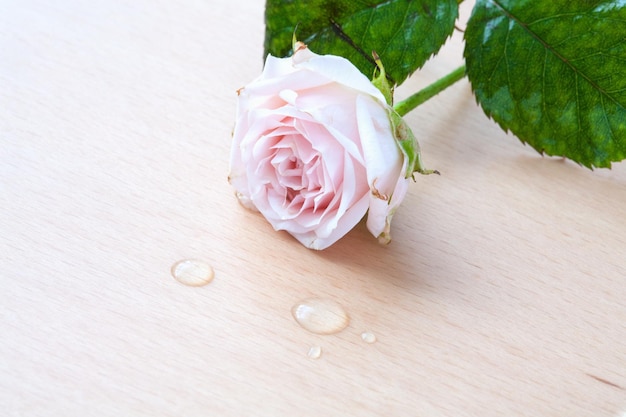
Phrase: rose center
x=299 y=177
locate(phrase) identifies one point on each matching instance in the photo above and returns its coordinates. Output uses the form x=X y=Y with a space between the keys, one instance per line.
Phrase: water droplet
x=246 y=202
x=368 y=337
x=192 y=272
x=315 y=352
x=321 y=316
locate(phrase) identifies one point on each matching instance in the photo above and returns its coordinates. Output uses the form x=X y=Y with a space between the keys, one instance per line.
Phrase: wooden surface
x=502 y=292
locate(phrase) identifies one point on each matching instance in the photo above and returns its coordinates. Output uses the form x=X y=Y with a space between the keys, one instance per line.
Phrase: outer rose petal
x=341 y=71
x=350 y=218
x=385 y=166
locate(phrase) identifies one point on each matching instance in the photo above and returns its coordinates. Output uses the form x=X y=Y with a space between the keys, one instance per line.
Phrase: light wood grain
x=502 y=292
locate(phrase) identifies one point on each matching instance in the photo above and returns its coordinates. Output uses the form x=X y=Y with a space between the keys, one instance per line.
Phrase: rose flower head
x=315 y=148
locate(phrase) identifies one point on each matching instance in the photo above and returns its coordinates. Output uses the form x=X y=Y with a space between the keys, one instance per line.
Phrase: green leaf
x=554 y=73
x=404 y=33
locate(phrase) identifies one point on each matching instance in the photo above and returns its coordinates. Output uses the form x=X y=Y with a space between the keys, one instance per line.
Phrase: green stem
x=429 y=92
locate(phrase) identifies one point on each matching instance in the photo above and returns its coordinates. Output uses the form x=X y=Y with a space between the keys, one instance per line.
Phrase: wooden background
x=502 y=292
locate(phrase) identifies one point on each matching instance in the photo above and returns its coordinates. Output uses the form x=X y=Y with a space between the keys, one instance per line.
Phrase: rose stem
x=429 y=92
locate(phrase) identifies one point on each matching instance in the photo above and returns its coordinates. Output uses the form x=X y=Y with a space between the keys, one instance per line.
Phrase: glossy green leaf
x=405 y=33
x=554 y=73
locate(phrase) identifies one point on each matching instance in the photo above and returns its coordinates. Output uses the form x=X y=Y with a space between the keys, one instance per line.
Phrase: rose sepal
x=408 y=145
x=403 y=134
x=381 y=82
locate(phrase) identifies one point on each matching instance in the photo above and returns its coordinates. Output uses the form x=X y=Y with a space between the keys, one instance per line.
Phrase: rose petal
x=313 y=241
x=340 y=71
x=384 y=162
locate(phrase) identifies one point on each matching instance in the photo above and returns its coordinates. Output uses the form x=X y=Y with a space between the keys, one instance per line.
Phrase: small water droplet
x=321 y=316
x=246 y=202
x=315 y=352
x=192 y=272
x=368 y=337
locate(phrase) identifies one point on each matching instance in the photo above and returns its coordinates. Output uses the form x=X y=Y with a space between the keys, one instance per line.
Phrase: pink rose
x=314 y=149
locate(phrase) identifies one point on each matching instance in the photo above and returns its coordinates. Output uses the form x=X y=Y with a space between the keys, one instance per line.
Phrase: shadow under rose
x=409 y=261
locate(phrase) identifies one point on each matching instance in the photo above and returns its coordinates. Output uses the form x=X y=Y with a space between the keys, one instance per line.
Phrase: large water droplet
x=320 y=315
x=192 y=272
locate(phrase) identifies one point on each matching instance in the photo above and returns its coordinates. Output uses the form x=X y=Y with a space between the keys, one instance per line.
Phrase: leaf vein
x=606 y=120
x=566 y=61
